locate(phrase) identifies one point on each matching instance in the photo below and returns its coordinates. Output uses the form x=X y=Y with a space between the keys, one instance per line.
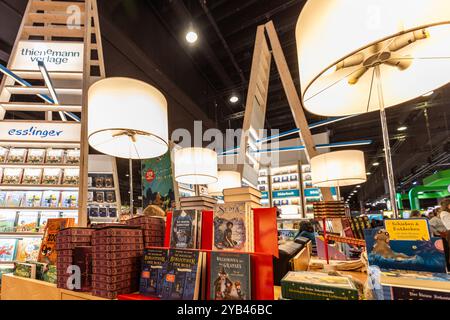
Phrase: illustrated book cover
x=184 y=229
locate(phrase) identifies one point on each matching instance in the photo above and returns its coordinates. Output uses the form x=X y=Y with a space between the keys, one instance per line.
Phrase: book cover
x=14 y=198
x=110 y=196
x=73 y=156
x=7 y=221
x=99 y=196
x=8 y=249
x=33 y=199
x=3 y=198
x=55 y=156
x=25 y=270
x=12 y=175
x=50 y=199
x=28 y=249
x=182 y=278
x=17 y=155
x=36 y=156
x=32 y=176
x=428 y=256
x=3 y=154
x=230 y=229
x=154 y=265
x=230 y=275
x=51 y=176
x=184 y=229
x=27 y=221
x=303 y=285
x=403 y=293
x=43 y=218
x=71 y=176
x=69 y=199
x=417 y=279
x=47 y=252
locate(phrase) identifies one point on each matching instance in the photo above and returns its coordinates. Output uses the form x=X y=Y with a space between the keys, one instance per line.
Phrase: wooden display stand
x=18 y=288
x=54 y=30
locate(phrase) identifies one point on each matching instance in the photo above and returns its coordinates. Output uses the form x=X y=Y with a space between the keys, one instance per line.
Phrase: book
x=27 y=221
x=73 y=156
x=3 y=154
x=31 y=176
x=40 y=269
x=16 y=155
x=231 y=229
x=242 y=197
x=36 y=156
x=182 y=277
x=99 y=181
x=33 y=198
x=51 y=176
x=405 y=293
x=109 y=181
x=7 y=221
x=416 y=279
x=28 y=249
x=71 y=176
x=184 y=229
x=71 y=215
x=50 y=199
x=110 y=196
x=12 y=175
x=14 y=198
x=304 y=285
x=8 y=249
x=154 y=265
x=69 y=199
x=47 y=252
x=3 y=198
x=242 y=190
x=43 y=218
x=25 y=270
x=99 y=196
x=415 y=255
x=55 y=156
x=198 y=199
x=230 y=276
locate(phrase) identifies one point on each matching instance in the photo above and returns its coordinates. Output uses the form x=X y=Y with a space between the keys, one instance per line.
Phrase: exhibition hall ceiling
x=146 y=39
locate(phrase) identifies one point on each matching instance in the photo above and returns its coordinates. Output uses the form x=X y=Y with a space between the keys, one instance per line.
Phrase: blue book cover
x=230 y=275
x=184 y=229
x=426 y=256
x=154 y=265
x=182 y=277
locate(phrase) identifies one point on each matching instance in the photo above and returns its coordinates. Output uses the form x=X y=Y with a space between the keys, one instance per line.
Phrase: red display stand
x=265 y=243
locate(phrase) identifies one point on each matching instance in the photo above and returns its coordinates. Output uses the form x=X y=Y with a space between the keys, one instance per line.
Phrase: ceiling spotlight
x=368 y=173
x=402 y=128
x=358 y=186
x=191 y=36
x=428 y=94
x=376 y=164
x=234 y=99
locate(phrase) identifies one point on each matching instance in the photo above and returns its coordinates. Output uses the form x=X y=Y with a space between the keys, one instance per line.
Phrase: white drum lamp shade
x=127 y=118
x=226 y=180
x=195 y=166
x=338 y=169
x=339 y=42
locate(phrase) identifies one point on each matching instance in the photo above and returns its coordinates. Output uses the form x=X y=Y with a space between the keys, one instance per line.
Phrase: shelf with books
x=21 y=234
x=39 y=208
x=26 y=187
x=38 y=165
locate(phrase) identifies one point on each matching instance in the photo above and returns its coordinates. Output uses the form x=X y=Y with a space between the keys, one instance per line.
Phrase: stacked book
x=116 y=260
x=153 y=229
x=243 y=194
x=329 y=209
x=201 y=203
x=67 y=243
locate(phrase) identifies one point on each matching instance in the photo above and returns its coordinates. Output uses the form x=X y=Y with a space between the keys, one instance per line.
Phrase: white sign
x=40 y=131
x=57 y=56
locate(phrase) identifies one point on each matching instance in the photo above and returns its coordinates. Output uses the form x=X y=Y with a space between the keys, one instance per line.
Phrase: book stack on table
x=243 y=194
x=67 y=242
x=329 y=209
x=116 y=260
x=153 y=229
x=201 y=203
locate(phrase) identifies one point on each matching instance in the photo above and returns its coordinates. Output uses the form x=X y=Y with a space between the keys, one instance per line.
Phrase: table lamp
x=195 y=165
x=127 y=118
x=357 y=56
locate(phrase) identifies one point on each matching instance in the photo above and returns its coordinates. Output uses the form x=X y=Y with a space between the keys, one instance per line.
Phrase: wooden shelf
x=37 y=165
x=42 y=90
x=38 y=107
x=31 y=187
x=21 y=234
x=101 y=189
x=40 y=208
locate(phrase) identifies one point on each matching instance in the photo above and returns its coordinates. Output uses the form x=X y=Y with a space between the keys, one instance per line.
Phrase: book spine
x=304 y=291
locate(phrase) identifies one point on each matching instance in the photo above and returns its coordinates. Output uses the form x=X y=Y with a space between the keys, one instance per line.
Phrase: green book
x=50 y=274
x=40 y=269
x=25 y=270
x=302 y=285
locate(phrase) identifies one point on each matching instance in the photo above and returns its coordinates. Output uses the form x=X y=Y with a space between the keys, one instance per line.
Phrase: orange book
x=47 y=253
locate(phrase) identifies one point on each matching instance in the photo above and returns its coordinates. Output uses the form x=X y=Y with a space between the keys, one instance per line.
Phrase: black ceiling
x=146 y=39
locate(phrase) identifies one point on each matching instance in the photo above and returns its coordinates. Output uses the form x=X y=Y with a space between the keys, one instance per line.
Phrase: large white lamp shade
x=339 y=42
x=226 y=180
x=338 y=169
x=127 y=118
x=195 y=165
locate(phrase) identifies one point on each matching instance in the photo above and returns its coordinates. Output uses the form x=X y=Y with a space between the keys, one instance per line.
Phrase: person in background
x=415 y=214
x=445 y=213
x=436 y=225
x=306 y=230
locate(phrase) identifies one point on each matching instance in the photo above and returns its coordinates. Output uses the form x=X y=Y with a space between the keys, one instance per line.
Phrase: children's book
x=230 y=227
x=3 y=198
x=55 y=156
x=230 y=276
x=8 y=249
x=36 y=156
x=28 y=249
x=71 y=176
x=44 y=216
x=27 y=221
x=32 y=176
x=7 y=221
x=154 y=265
x=73 y=156
x=33 y=198
x=69 y=199
x=184 y=229
x=182 y=278
x=14 y=198
x=12 y=175
x=50 y=199
x=51 y=176
x=17 y=155
x=47 y=252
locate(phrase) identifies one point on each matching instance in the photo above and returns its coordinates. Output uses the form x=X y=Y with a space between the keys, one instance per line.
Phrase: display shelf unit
x=285 y=190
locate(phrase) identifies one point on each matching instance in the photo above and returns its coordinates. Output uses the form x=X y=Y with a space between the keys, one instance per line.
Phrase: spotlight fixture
x=234 y=99
x=402 y=128
x=368 y=173
x=376 y=164
x=358 y=186
x=428 y=94
x=191 y=36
